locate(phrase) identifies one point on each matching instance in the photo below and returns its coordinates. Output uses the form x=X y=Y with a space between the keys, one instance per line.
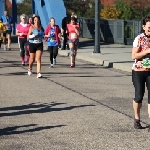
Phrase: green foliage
x=82 y=8
x=125 y=9
x=24 y=7
x=133 y=9
x=109 y=13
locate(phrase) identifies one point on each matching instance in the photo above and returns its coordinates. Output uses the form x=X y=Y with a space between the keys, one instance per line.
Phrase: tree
x=109 y=13
x=125 y=9
x=82 y=8
x=24 y=7
x=140 y=8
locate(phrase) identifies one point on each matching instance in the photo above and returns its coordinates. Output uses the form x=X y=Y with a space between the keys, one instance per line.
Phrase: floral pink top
x=143 y=43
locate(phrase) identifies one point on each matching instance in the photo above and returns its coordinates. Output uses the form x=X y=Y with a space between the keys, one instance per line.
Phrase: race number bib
x=52 y=40
x=37 y=40
x=73 y=36
x=146 y=63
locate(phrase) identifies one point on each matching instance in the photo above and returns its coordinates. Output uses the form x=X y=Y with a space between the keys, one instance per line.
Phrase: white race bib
x=73 y=35
x=37 y=40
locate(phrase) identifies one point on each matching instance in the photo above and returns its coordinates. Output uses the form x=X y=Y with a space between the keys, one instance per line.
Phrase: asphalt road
x=84 y=108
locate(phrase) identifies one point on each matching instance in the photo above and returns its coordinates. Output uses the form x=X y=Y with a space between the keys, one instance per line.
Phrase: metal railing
x=111 y=31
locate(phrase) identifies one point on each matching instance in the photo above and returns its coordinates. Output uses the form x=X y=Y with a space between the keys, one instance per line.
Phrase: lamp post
x=97 y=27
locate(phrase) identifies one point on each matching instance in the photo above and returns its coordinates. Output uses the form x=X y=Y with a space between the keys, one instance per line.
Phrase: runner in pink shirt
x=73 y=36
x=22 y=31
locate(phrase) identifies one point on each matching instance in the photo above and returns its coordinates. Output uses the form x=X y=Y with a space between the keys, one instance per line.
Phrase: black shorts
x=34 y=47
x=7 y=32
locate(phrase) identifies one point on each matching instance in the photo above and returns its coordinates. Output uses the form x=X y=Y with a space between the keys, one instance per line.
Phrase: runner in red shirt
x=73 y=36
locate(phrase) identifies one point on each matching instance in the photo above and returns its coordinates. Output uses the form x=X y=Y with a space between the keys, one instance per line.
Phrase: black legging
x=139 y=78
x=22 y=43
x=27 y=48
x=53 y=52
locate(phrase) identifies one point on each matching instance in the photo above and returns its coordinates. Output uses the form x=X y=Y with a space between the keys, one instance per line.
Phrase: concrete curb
x=106 y=63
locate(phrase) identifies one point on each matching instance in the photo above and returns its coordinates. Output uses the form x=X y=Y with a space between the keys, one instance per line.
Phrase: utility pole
x=97 y=27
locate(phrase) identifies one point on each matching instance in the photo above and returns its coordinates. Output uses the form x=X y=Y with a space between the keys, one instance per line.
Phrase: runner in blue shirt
x=8 y=22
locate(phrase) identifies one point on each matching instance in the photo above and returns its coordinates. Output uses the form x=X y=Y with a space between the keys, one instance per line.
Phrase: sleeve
x=59 y=31
x=136 y=42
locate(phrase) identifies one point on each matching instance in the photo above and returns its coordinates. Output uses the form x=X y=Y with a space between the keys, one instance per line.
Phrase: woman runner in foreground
x=141 y=70
x=35 y=36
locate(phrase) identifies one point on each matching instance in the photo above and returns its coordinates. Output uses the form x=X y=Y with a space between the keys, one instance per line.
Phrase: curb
x=98 y=61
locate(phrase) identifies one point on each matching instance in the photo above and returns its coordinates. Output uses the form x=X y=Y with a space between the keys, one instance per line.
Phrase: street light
x=97 y=27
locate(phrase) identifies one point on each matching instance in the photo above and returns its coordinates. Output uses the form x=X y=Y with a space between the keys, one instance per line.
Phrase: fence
x=111 y=31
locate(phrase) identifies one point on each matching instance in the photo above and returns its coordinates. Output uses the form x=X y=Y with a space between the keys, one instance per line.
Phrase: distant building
x=8 y=4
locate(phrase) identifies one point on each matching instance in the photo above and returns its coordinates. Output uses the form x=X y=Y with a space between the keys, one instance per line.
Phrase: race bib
x=37 y=40
x=52 y=40
x=146 y=63
x=73 y=36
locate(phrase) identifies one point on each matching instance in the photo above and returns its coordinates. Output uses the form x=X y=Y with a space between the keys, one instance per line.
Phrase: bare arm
x=138 y=55
x=30 y=31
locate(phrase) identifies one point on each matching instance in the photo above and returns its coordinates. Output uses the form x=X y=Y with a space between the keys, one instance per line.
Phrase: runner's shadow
x=39 y=109
x=30 y=128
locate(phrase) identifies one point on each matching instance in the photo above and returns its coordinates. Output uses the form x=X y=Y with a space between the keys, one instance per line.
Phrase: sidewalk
x=112 y=55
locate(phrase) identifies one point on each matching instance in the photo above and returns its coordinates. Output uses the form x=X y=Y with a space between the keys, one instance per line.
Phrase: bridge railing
x=111 y=31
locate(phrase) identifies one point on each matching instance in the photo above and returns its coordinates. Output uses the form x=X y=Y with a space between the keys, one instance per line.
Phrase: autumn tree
x=141 y=8
x=82 y=8
x=109 y=13
x=125 y=9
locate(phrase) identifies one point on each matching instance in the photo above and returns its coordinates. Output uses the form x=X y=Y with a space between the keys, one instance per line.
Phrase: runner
x=73 y=31
x=2 y=30
x=35 y=36
x=22 y=30
x=8 y=22
x=141 y=70
x=52 y=33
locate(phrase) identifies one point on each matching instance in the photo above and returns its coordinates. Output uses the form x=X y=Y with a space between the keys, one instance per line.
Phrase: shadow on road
x=15 y=129
x=37 y=108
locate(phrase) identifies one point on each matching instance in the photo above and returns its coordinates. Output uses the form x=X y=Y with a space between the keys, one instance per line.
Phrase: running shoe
x=51 y=66
x=9 y=48
x=54 y=61
x=72 y=65
x=29 y=72
x=39 y=75
x=23 y=63
x=137 y=124
x=5 y=48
